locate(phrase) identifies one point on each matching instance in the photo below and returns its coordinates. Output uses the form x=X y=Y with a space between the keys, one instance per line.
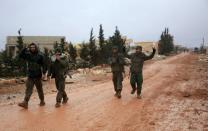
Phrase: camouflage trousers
x=117 y=81
x=60 y=86
x=29 y=88
x=136 y=81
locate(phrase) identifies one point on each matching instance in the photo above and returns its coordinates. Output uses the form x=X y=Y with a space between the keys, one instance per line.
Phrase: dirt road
x=175 y=97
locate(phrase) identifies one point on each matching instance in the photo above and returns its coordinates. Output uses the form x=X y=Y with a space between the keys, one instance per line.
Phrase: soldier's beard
x=33 y=51
x=115 y=53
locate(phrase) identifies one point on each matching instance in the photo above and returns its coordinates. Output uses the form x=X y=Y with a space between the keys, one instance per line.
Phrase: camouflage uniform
x=36 y=67
x=137 y=61
x=58 y=70
x=117 y=67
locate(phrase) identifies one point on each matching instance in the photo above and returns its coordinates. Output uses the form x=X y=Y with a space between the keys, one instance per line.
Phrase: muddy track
x=174 y=97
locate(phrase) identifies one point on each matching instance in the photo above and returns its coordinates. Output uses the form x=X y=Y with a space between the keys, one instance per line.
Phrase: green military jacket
x=117 y=63
x=35 y=63
x=137 y=61
x=59 y=68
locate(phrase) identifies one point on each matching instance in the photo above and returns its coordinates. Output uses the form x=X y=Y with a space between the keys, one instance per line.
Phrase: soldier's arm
x=49 y=74
x=121 y=59
x=45 y=65
x=110 y=62
x=23 y=54
x=150 y=56
x=50 y=67
x=129 y=72
x=127 y=59
x=64 y=62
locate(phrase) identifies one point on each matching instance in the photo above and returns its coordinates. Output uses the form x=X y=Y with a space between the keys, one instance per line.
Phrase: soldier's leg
x=28 y=93
x=133 y=83
x=60 y=83
x=65 y=97
x=59 y=94
x=139 y=82
x=115 y=81
x=119 y=81
x=39 y=87
x=119 y=84
x=29 y=89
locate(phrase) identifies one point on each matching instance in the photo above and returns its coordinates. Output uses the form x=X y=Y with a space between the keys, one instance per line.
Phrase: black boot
x=119 y=94
x=23 y=104
x=139 y=96
x=116 y=94
x=42 y=103
x=58 y=104
x=65 y=100
x=133 y=91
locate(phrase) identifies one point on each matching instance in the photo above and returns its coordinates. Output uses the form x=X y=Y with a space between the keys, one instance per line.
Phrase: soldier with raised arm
x=136 y=76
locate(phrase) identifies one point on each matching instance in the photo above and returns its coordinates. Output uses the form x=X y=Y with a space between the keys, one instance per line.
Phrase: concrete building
x=41 y=41
x=146 y=46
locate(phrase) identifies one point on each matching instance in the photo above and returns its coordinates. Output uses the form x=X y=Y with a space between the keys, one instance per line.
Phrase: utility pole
x=203 y=42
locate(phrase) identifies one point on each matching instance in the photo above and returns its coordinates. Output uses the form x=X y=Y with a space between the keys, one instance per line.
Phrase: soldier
x=136 y=77
x=117 y=67
x=36 y=67
x=58 y=70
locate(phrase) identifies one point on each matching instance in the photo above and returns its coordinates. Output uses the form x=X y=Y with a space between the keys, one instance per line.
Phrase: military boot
x=116 y=94
x=65 y=100
x=119 y=94
x=139 y=96
x=133 y=91
x=42 y=103
x=58 y=105
x=23 y=104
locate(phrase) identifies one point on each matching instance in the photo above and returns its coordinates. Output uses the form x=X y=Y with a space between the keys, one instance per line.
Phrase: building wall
x=41 y=41
x=146 y=46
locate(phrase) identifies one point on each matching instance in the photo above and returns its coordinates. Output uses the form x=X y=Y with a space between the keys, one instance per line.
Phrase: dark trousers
x=117 y=81
x=29 y=88
x=136 y=81
x=60 y=86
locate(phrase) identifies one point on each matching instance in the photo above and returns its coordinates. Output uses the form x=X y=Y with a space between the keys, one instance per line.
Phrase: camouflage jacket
x=117 y=63
x=59 y=68
x=36 y=63
x=137 y=61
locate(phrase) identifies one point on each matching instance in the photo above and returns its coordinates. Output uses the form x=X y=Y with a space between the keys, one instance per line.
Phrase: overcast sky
x=141 y=20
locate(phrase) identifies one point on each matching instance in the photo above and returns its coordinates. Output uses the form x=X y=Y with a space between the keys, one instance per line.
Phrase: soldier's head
x=114 y=49
x=138 y=49
x=33 y=48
